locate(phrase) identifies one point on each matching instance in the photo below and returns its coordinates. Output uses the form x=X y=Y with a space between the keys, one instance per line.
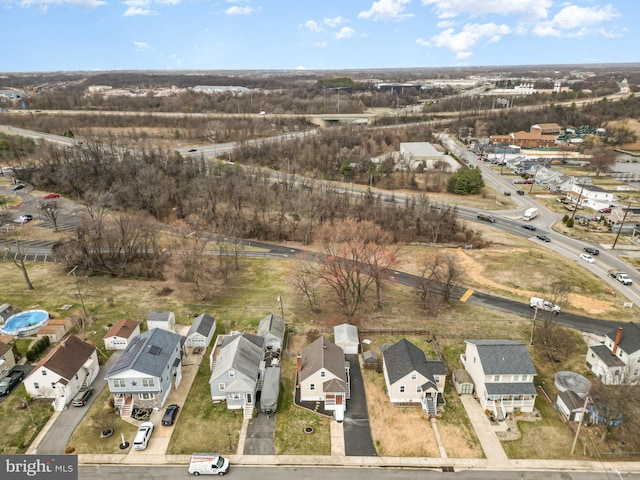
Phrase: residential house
x=411 y=378
x=502 y=374
x=201 y=331
x=571 y=406
x=143 y=375
x=164 y=320
x=590 y=196
x=68 y=367
x=617 y=359
x=323 y=376
x=7 y=359
x=236 y=370
x=119 y=336
x=625 y=215
x=346 y=337
x=272 y=328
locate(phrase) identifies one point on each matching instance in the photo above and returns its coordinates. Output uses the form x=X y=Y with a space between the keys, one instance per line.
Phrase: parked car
x=22 y=219
x=520 y=192
x=542 y=237
x=51 y=196
x=528 y=182
x=605 y=210
x=591 y=250
x=82 y=397
x=587 y=258
x=170 y=415
x=10 y=381
x=529 y=227
x=19 y=186
x=143 y=435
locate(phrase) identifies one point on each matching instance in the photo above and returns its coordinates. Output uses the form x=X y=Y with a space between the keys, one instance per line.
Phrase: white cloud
x=246 y=10
x=530 y=9
x=386 y=10
x=138 y=11
x=445 y=24
x=321 y=44
x=312 y=26
x=463 y=41
x=345 y=32
x=141 y=46
x=575 y=21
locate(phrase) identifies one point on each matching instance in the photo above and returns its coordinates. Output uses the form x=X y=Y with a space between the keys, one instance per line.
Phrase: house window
x=436 y=378
x=413 y=376
x=221 y=387
x=117 y=383
x=36 y=385
x=401 y=388
x=496 y=378
x=418 y=389
x=44 y=373
x=323 y=373
x=636 y=372
x=53 y=385
x=76 y=376
x=236 y=396
x=231 y=374
x=146 y=396
x=312 y=387
x=148 y=382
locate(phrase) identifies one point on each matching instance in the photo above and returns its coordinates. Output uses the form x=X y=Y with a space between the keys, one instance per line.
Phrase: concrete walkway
x=492 y=447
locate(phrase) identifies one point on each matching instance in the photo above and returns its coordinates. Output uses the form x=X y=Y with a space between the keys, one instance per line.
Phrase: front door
x=249 y=398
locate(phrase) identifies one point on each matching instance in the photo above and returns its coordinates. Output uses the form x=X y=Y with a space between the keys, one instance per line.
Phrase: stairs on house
x=430 y=406
x=248 y=411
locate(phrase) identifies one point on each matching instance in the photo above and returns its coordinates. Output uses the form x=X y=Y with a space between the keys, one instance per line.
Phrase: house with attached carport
x=617 y=359
x=119 y=336
x=146 y=370
x=272 y=328
x=68 y=367
x=502 y=374
x=236 y=367
x=323 y=377
x=201 y=331
x=411 y=378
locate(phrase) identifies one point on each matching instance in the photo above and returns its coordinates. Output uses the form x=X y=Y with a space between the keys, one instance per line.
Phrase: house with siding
x=164 y=320
x=236 y=369
x=617 y=358
x=346 y=337
x=201 y=331
x=69 y=366
x=272 y=328
x=119 y=336
x=323 y=376
x=502 y=374
x=7 y=359
x=145 y=372
x=411 y=378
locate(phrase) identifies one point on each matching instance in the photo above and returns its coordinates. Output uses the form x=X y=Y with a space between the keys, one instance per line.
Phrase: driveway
x=357 y=430
x=260 y=435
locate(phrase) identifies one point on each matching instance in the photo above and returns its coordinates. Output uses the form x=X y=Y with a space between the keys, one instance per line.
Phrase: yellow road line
x=466 y=295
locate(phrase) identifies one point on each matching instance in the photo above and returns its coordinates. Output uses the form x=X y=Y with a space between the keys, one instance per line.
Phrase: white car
x=587 y=258
x=22 y=219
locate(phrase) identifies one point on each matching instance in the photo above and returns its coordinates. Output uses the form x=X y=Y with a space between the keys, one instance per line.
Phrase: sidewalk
x=492 y=447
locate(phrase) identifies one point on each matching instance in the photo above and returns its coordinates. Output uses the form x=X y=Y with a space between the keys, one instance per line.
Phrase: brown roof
x=532 y=136
x=67 y=357
x=123 y=329
x=4 y=348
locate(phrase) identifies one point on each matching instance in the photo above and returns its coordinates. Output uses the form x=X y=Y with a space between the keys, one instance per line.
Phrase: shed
x=6 y=311
x=371 y=360
x=570 y=405
x=163 y=320
x=270 y=390
x=119 y=336
x=346 y=337
x=462 y=381
x=272 y=328
x=201 y=331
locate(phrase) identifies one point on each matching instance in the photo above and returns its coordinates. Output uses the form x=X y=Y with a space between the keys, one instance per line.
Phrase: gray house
x=201 y=331
x=236 y=370
x=272 y=328
x=143 y=375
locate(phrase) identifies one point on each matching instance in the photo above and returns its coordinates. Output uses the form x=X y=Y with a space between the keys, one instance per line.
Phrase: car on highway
x=170 y=415
x=529 y=227
x=193 y=150
x=51 y=196
x=80 y=400
x=587 y=258
x=10 y=381
x=591 y=250
x=520 y=192
x=19 y=186
x=22 y=219
x=543 y=237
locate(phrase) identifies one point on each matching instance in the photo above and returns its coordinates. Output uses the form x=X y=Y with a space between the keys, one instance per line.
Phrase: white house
x=590 y=196
x=502 y=373
x=201 y=331
x=69 y=366
x=164 y=320
x=617 y=359
x=346 y=337
x=118 y=336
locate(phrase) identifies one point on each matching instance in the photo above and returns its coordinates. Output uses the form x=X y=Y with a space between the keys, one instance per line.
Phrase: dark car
x=529 y=227
x=19 y=186
x=520 y=192
x=193 y=150
x=542 y=237
x=10 y=381
x=507 y=194
x=592 y=251
x=82 y=397
x=170 y=415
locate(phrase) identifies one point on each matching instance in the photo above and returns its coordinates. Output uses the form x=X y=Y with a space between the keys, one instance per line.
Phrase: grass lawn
x=21 y=425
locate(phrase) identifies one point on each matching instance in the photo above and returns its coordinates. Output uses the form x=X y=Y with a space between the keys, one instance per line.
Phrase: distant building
x=212 y=89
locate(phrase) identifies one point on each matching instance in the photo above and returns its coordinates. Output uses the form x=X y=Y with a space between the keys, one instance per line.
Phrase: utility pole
x=279 y=300
x=584 y=412
x=624 y=217
x=533 y=326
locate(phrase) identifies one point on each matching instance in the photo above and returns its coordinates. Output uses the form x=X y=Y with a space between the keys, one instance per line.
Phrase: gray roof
x=404 y=357
x=322 y=354
x=504 y=357
x=507 y=388
x=241 y=354
x=346 y=334
x=273 y=324
x=571 y=400
x=158 y=316
x=202 y=324
x=630 y=341
x=147 y=353
x=255 y=339
x=604 y=354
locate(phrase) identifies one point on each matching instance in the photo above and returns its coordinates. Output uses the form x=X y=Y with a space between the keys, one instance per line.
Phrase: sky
x=71 y=35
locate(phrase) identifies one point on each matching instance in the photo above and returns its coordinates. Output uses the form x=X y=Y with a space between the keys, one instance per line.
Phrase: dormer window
x=323 y=373
x=232 y=374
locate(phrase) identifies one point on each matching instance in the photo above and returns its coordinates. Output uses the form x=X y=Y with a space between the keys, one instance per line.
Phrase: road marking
x=466 y=295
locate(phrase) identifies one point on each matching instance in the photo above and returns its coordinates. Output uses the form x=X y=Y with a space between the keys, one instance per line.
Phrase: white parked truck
x=542 y=304
x=530 y=214
x=621 y=277
x=208 y=464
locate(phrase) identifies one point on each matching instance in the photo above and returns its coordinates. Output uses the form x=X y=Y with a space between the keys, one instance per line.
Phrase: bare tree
x=618 y=405
x=602 y=159
x=440 y=274
x=16 y=249
x=51 y=211
x=556 y=340
x=306 y=276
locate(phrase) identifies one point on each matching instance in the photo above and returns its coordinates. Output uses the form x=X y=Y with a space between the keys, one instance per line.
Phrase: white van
x=208 y=464
x=142 y=437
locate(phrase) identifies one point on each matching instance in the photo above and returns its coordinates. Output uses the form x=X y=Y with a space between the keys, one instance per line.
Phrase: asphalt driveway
x=357 y=430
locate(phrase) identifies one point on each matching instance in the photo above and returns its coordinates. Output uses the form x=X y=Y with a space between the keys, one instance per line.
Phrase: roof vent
x=154 y=350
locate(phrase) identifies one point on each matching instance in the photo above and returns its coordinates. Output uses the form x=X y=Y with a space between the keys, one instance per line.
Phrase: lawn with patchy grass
x=21 y=425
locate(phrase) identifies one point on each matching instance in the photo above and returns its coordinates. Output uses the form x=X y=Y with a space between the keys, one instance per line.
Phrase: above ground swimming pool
x=24 y=323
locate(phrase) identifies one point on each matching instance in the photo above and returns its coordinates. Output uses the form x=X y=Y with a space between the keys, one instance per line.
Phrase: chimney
x=618 y=338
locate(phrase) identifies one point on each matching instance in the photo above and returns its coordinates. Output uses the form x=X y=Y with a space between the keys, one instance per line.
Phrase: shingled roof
x=122 y=329
x=322 y=353
x=67 y=357
x=504 y=357
x=403 y=358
